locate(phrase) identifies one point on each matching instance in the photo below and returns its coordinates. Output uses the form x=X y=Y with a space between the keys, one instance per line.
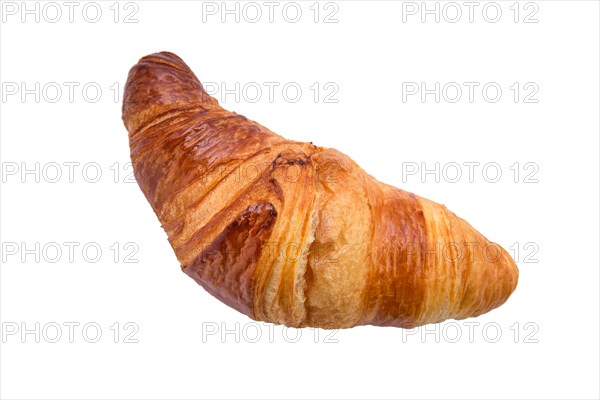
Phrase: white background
x=368 y=54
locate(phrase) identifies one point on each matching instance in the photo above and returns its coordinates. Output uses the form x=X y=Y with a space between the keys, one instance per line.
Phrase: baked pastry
x=293 y=233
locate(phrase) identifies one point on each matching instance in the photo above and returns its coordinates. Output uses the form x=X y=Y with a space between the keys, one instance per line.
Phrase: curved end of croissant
x=482 y=274
x=158 y=86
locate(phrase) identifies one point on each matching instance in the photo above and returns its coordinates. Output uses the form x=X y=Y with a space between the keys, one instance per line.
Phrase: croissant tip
x=157 y=84
x=166 y=58
x=162 y=55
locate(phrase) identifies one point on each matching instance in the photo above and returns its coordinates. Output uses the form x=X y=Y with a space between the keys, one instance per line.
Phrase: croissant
x=292 y=233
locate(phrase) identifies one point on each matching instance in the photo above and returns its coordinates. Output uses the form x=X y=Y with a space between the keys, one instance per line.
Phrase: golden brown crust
x=292 y=233
x=395 y=296
x=226 y=267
